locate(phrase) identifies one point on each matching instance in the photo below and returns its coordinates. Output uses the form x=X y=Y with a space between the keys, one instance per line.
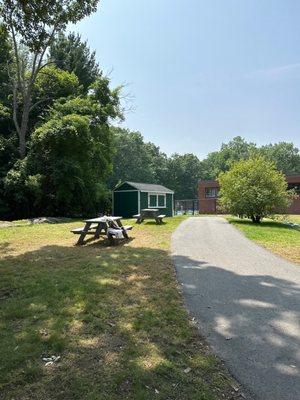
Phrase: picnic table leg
x=83 y=234
x=119 y=222
x=99 y=229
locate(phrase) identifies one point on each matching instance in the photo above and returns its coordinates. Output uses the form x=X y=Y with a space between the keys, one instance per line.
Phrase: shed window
x=152 y=200
x=161 y=200
x=157 y=201
x=211 y=193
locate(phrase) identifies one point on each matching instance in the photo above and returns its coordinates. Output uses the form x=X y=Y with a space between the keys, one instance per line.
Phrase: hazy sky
x=201 y=72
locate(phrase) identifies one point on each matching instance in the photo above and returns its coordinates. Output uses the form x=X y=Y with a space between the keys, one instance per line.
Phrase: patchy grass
x=275 y=236
x=114 y=315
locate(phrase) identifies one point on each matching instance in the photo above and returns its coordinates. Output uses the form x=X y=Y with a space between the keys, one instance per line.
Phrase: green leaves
x=71 y=54
x=37 y=21
x=253 y=188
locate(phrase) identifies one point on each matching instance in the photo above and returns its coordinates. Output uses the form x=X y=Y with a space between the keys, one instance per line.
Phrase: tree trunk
x=24 y=124
x=256 y=219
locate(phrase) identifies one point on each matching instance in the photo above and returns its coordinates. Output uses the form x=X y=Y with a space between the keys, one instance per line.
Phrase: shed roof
x=148 y=187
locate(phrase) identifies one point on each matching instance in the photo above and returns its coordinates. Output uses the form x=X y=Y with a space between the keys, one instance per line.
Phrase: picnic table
x=149 y=213
x=95 y=226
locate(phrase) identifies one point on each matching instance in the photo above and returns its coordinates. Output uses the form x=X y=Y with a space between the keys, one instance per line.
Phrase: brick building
x=208 y=195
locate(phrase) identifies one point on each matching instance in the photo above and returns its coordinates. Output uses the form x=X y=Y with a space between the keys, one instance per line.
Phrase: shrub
x=254 y=188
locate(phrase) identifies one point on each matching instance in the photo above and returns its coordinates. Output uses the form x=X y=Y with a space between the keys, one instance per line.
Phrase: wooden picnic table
x=149 y=213
x=95 y=226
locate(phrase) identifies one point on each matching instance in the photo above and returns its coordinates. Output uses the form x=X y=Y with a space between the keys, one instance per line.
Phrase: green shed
x=129 y=198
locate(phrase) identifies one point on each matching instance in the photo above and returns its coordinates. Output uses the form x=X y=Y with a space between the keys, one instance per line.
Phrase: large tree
x=132 y=160
x=32 y=26
x=254 y=188
x=221 y=160
x=71 y=54
x=285 y=155
x=68 y=162
x=182 y=176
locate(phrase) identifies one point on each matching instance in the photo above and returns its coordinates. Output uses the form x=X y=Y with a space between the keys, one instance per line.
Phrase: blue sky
x=201 y=72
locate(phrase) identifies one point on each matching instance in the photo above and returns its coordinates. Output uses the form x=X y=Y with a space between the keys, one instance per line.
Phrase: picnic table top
x=150 y=209
x=102 y=219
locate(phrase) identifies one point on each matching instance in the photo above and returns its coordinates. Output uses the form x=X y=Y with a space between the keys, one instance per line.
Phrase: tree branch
x=39 y=102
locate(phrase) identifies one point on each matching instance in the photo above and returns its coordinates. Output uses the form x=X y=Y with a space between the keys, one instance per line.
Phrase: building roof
x=148 y=187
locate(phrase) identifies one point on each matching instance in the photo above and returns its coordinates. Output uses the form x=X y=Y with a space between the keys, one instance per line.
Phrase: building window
x=157 y=201
x=211 y=193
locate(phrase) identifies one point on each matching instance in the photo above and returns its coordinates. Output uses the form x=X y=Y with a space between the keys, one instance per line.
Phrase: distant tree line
x=60 y=151
x=141 y=161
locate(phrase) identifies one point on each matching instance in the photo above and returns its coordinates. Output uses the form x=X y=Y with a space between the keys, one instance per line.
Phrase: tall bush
x=254 y=188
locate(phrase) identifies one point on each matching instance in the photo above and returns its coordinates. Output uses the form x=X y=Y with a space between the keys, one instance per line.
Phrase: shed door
x=125 y=204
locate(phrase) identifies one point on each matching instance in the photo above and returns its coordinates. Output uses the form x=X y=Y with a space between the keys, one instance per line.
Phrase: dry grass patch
x=113 y=315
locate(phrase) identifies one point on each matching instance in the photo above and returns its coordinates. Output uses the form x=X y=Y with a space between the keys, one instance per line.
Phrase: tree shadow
x=266 y=224
x=252 y=321
x=114 y=318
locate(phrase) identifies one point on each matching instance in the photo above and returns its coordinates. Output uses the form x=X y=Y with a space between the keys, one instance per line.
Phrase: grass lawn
x=289 y=218
x=114 y=315
x=274 y=235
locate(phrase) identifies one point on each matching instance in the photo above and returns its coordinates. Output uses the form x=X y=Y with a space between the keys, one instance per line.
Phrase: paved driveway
x=247 y=303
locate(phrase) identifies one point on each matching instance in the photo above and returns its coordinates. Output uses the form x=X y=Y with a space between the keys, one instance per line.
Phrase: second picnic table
x=149 y=213
x=95 y=226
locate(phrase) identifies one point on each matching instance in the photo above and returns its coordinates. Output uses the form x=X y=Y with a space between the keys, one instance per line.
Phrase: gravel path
x=246 y=302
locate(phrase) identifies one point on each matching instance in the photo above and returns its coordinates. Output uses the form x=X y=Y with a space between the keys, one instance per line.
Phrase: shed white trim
x=154 y=191
x=131 y=190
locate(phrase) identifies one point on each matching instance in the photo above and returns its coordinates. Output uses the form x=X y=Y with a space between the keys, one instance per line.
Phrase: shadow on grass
x=149 y=222
x=264 y=224
x=115 y=319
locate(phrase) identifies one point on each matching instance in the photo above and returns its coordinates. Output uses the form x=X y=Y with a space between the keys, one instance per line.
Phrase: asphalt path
x=246 y=302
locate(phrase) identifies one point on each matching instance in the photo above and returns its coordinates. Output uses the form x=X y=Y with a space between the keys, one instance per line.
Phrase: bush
x=254 y=188
x=69 y=159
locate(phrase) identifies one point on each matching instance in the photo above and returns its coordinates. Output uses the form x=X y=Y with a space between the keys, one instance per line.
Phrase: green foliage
x=72 y=158
x=285 y=155
x=34 y=21
x=139 y=161
x=21 y=190
x=5 y=62
x=51 y=84
x=108 y=98
x=184 y=172
x=254 y=188
x=220 y=161
x=71 y=54
x=69 y=142
x=54 y=83
x=132 y=160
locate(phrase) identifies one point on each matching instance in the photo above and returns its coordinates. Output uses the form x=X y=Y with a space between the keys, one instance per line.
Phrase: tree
x=254 y=188
x=182 y=175
x=71 y=54
x=285 y=155
x=132 y=160
x=220 y=161
x=51 y=85
x=5 y=64
x=32 y=26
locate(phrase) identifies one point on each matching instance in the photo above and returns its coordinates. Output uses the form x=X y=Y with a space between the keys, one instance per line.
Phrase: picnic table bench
x=112 y=227
x=149 y=213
